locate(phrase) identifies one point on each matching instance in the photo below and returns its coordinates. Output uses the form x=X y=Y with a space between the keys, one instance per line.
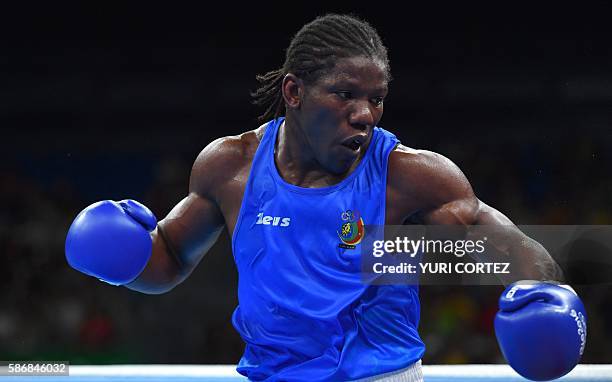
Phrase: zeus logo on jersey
x=272 y=220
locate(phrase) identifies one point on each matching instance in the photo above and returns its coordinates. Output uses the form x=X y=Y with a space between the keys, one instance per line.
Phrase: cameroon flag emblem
x=352 y=230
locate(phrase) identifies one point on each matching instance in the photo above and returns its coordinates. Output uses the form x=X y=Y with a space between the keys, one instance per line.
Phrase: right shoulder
x=222 y=160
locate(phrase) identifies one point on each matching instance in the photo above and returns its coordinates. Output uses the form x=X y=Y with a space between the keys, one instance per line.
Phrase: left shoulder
x=427 y=178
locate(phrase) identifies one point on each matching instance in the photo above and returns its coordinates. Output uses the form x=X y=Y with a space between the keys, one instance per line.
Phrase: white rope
x=156 y=370
x=580 y=373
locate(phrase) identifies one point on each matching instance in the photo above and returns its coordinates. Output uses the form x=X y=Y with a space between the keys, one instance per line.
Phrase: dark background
x=115 y=101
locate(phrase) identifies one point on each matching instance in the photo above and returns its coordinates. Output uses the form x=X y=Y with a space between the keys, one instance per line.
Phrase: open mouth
x=354 y=143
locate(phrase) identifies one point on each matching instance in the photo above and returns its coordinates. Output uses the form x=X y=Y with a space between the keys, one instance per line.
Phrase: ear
x=293 y=91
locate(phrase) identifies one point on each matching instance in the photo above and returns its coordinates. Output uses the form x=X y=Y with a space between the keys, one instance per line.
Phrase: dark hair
x=313 y=51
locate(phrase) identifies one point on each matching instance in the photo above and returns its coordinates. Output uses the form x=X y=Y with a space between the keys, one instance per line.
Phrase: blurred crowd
x=50 y=311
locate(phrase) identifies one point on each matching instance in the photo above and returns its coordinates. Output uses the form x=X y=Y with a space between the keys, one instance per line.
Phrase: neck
x=296 y=161
x=294 y=158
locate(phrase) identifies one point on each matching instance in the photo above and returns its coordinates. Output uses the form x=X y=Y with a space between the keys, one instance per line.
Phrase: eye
x=344 y=95
x=378 y=101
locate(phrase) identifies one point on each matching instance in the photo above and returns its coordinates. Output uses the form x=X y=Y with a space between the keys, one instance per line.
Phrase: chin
x=339 y=162
x=341 y=167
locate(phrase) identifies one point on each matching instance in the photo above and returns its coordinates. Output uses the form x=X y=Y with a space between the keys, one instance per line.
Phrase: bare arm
x=446 y=197
x=533 y=260
x=191 y=228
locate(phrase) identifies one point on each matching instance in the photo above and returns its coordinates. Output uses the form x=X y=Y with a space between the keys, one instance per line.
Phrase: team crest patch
x=352 y=229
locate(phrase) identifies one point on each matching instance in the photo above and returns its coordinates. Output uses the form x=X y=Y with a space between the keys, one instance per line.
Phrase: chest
x=231 y=195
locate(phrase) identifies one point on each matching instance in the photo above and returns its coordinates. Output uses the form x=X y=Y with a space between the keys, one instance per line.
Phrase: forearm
x=529 y=259
x=532 y=261
x=171 y=264
x=164 y=270
x=180 y=241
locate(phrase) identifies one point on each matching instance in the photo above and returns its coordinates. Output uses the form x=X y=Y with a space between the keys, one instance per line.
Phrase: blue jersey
x=304 y=312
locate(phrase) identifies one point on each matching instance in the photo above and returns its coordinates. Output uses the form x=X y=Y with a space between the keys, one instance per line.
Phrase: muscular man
x=282 y=191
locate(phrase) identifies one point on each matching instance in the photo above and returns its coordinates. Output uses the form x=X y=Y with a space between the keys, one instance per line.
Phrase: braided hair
x=313 y=52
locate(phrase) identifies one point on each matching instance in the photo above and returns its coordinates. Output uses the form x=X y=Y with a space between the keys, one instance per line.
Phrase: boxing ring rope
x=227 y=373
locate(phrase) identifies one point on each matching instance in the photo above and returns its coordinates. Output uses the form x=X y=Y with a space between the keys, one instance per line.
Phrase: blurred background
x=114 y=102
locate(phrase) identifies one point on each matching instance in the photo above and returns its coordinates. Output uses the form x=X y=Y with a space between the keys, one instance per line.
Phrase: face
x=338 y=112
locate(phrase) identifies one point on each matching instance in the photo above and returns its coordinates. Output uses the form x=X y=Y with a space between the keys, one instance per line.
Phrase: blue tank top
x=304 y=312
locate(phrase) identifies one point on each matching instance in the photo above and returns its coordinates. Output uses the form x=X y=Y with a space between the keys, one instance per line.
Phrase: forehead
x=357 y=71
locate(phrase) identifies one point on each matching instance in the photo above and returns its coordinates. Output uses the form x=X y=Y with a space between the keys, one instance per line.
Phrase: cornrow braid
x=313 y=52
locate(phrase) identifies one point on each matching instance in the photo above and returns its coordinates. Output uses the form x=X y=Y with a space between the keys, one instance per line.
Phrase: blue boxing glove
x=110 y=240
x=541 y=329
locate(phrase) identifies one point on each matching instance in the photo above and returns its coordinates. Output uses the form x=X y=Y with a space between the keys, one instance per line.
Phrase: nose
x=361 y=116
